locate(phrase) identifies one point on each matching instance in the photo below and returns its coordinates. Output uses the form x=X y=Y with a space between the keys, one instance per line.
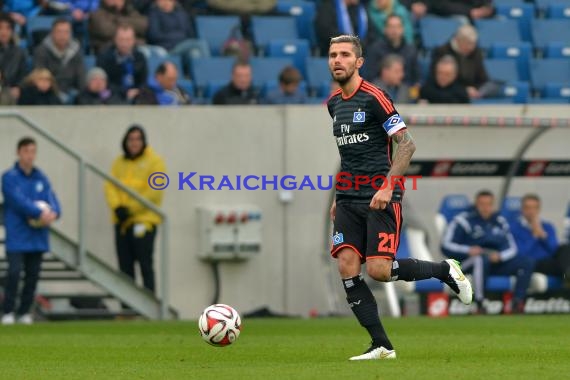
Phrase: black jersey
x=362 y=126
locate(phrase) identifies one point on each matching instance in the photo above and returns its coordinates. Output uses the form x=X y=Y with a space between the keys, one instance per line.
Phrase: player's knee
x=348 y=263
x=380 y=272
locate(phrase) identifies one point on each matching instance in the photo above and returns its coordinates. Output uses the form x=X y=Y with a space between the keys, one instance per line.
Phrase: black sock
x=414 y=270
x=364 y=307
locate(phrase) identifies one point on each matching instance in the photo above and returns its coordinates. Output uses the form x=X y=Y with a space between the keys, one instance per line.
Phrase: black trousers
x=557 y=265
x=31 y=263
x=132 y=248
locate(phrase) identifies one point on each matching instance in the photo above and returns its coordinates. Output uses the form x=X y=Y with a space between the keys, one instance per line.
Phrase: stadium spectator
x=536 y=238
x=335 y=17
x=418 y=8
x=481 y=239
x=13 y=58
x=30 y=207
x=62 y=56
x=379 y=10
x=39 y=89
x=163 y=90
x=444 y=88
x=124 y=64
x=392 y=42
x=168 y=24
x=472 y=73
x=6 y=98
x=135 y=225
x=391 y=79
x=21 y=10
x=289 y=91
x=96 y=91
x=240 y=90
x=79 y=10
x=470 y=9
x=105 y=21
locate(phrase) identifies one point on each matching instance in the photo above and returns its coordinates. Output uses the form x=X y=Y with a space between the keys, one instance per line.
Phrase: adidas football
x=220 y=325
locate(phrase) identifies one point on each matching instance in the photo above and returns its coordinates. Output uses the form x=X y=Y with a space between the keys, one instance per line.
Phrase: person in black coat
x=124 y=64
x=168 y=24
x=39 y=89
x=12 y=57
x=444 y=88
x=240 y=89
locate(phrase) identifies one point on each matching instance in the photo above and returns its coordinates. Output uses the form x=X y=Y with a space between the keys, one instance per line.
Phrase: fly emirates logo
x=348 y=138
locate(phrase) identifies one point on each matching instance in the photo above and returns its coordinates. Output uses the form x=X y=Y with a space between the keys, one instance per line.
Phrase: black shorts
x=372 y=234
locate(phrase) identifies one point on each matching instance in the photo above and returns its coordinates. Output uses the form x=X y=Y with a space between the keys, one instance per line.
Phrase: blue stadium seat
x=424 y=64
x=502 y=69
x=523 y=13
x=267 y=28
x=267 y=69
x=493 y=31
x=38 y=27
x=89 y=61
x=436 y=31
x=548 y=71
x=521 y=53
x=511 y=208
x=548 y=31
x=297 y=50
x=558 y=11
x=519 y=92
x=543 y=5
x=558 y=91
x=557 y=50
x=304 y=13
x=216 y=30
x=318 y=75
x=188 y=86
x=205 y=70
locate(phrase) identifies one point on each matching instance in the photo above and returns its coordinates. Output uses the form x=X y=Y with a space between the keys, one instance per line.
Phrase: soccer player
x=367 y=222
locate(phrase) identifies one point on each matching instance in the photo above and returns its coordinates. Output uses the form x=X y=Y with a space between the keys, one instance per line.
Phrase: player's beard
x=343 y=80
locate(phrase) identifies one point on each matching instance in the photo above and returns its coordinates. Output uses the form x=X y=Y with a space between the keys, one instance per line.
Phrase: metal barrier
x=84 y=165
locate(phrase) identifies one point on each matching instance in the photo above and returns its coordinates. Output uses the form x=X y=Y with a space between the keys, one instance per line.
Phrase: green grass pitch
x=482 y=347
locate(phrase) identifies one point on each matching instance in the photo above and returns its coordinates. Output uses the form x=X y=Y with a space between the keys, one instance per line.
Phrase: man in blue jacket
x=482 y=241
x=30 y=206
x=537 y=239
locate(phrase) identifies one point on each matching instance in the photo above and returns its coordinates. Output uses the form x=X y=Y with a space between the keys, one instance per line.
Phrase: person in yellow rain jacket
x=135 y=225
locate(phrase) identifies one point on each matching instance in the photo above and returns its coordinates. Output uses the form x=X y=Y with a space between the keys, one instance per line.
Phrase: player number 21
x=387 y=243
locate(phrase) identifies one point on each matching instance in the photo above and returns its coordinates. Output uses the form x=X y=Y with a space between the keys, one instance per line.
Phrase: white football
x=220 y=325
x=43 y=206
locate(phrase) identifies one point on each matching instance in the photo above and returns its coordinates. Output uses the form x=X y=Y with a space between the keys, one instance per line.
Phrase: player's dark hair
x=354 y=40
x=25 y=141
x=60 y=20
x=530 y=197
x=484 y=193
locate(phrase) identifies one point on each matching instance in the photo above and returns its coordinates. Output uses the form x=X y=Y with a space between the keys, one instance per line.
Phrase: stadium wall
x=288 y=275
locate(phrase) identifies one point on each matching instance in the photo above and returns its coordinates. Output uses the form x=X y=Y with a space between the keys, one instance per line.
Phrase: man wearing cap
x=97 y=91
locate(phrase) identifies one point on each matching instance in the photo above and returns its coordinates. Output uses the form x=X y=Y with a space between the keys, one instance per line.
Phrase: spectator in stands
x=418 y=8
x=169 y=24
x=6 y=98
x=79 y=10
x=391 y=79
x=536 y=238
x=392 y=42
x=104 y=22
x=470 y=9
x=30 y=207
x=135 y=225
x=444 y=88
x=472 y=73
x=240 y=90
x=12 y=57
x=336 y=17
x=21 y=10
x=97 y=92
x=482 y=241
x=163 y=90
x=62 y=56
x=124 y=64
x=289 y=91
x=39 y=89
x=379 y=10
